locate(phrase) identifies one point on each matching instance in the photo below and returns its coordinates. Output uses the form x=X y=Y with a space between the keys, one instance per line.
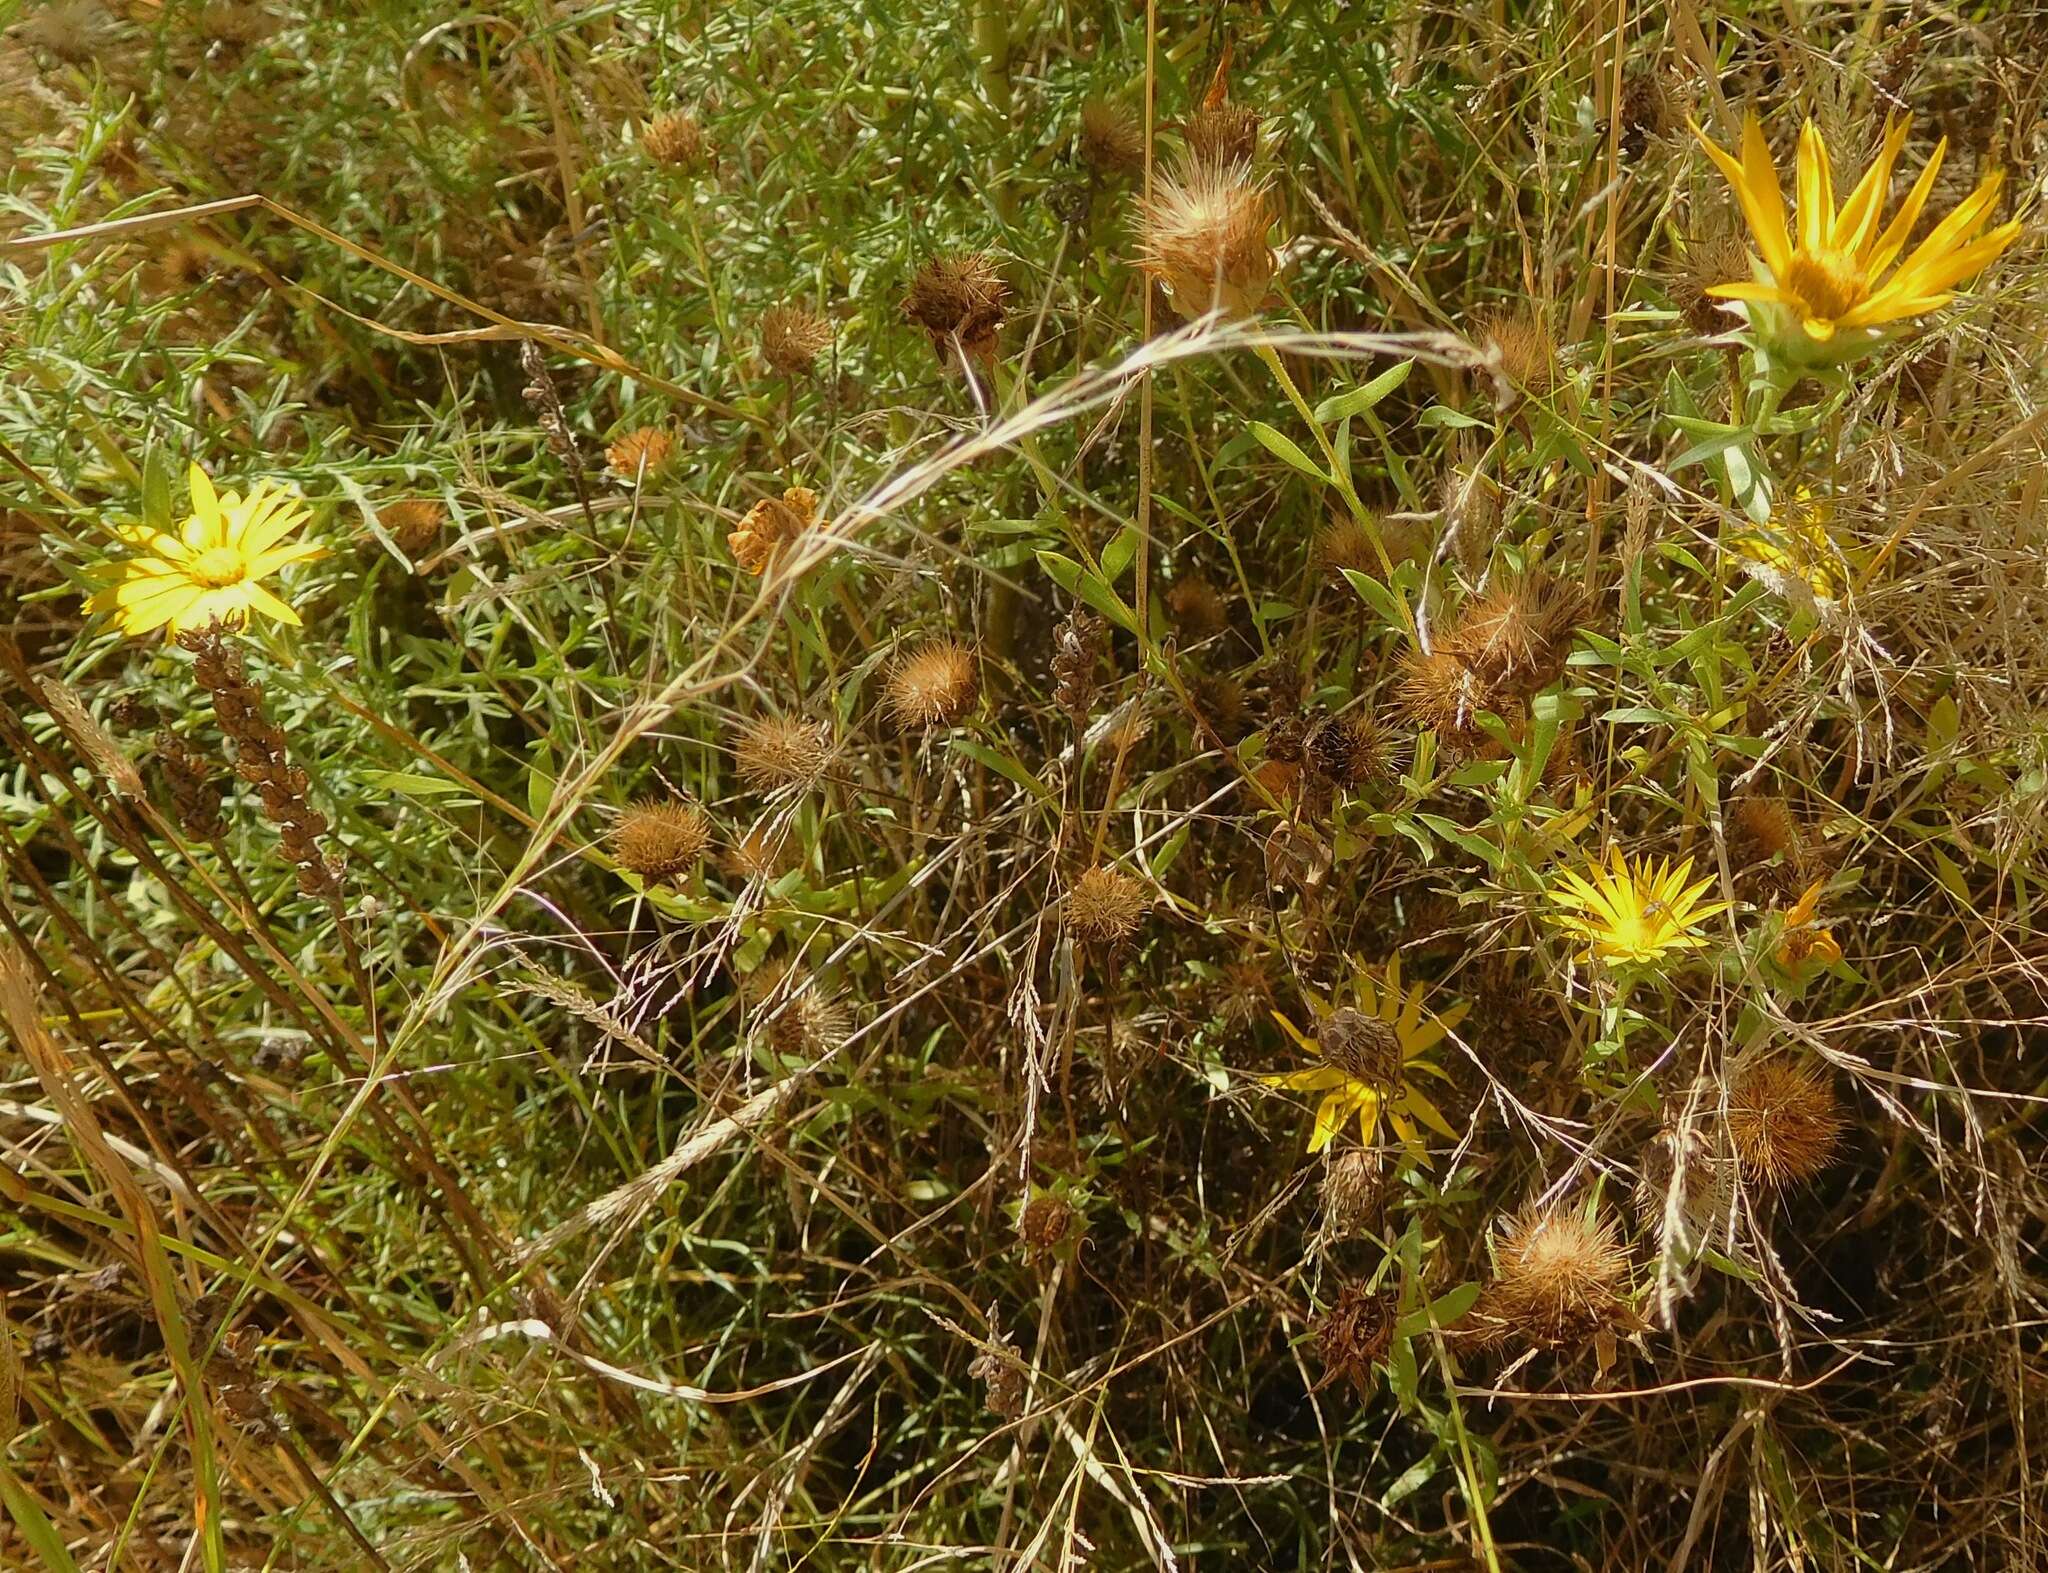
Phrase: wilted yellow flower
x=1633 y=911
x=1797 y=545
x=1368 y=1051
x=213 y=568
x=1824 y=271
x=1803 y=941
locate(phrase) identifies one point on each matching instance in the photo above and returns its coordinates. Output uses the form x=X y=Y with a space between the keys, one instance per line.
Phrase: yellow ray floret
x=1346 y=1097
x=1636 y=911
x=211 y=570
x=1825 y=265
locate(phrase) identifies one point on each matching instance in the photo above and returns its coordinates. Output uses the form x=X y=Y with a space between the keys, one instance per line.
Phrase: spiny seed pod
x=1718 y=258
x=1521 y=354
x=808 y=1021
x=934 y=684
x=1353 y=1188
x=1784 y=1121
x=640 y=454
x=1365 y=1048
x=792 y=339
x=1518 y=636
x=1111 y=141
x=959 y=302
x=1105 y=907
x=782 y=751
x=1346 y=750
x=1760 y=828
x=1219 y=701
x=1203 y=234
x=1342 y=544
x=1559 y=1279
x=415 y=523
x=661 y=838
x=770 y=526
x=1197 y=607
x=1222 y=134
x=1077 y=651
x=1440 y=693
x=675 y=139
x=1354 y=1335
x=1043 y=1224
x=1647 y=111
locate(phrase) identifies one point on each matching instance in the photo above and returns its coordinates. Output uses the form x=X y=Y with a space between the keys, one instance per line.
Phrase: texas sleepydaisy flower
x=1633 y=911
x=1803 y=941
x=1824 y=270
x=1367 y=1052
x=211 y=570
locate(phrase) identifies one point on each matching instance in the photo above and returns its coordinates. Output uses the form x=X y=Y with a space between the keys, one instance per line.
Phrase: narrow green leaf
x=1281 y=446
x=1344 y=405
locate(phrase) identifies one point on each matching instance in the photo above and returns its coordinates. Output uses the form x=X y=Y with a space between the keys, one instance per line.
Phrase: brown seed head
x=1342 y=544
x=1203 y=234
x=782 y=751
x=1246 y=992
x=1520 y=351
x=1363 y=1047
x=1043 y=1224
x=1558 y=1278
x=1105 y=906
x=1761 y=827
x=1354 y=1335
x=659 y=838
x=1784 y=1121
x=770 y=526
x=1222 y=134
x=1648 y=110
x=1346 y=750
x=1353 y=1188
x=675 y=139
x=1111 y=141
x=804 y=1018
x=935 y=684
x=792 y=338
x=958 y=301
x=1197 y=607
x=1440 y=693
x=415 y=523
x=641 y=453
x=1518 y=636
x=1718 y=258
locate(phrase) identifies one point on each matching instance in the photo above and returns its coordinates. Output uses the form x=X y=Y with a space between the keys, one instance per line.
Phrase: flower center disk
x=218 y=567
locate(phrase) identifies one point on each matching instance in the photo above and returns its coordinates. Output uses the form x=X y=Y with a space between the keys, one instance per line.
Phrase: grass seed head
x=676 y=140
x=1111 y=140
x=1203 y=234
x=782 y=751
x=1559 y=1278
x=641 y=453
x=1784 y=1121
x=959 y=301
x=1105 y=907
x=934 y=684
x=792 y=339
x=661 y=838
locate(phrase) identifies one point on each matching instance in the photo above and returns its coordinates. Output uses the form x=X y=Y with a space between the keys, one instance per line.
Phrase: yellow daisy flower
x=1366 y=1052
x=1633 y=911
x=1825 y=269
x=1797 y=545
x=212 y=569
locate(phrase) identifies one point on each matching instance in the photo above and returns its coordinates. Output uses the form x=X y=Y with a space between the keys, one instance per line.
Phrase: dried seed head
x=1718 y=258
x=1518 y=636
x=1219 y=700
x=958 y=301
x=195 y=799
x=792 y=338
x=1342 y=544
x=641 y=453
x=1203 y=234
x=1363 y=1047
x=660 y=838
x=1354 y=1335
x=1639 y=519
x=1648 y=110
x=933 y=685
x=1440 y=693
x=180 y=266
x=782 y=751
x=675 y=139
x=1197 y=607
x=770 y=526
x=1005 y=1375
x=1353 y=1188
x=415 y=523
x=1111 y=141
x=806 y=1019
x=1246 y=992
x=1470 y=504
x=1222 y=134
x=1784 y=1121
x=1077 y=651
x=1043 y=1224
x=1105 y=907
x=762 y=852
x=1520 y=353
x=1760 y=828
x=1559 y=1279
x=1346 y=750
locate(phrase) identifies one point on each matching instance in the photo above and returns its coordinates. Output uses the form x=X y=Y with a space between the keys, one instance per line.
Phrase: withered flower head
x=1519 y=350
x=1518 y=636
x=1353 y=1187
x=675 y=139
x=414 y=522
x=1222 y=133
x=958 y=301
x=782 y=751
x=805 y=1019
x=1648 y=110
x=1112 y=142
x=1203 y=234
x=1197 y=607
x=1784 y=1121
x=1440 y=693
x=1365 y=1047
x=1761 y=827
x=1043 y=1224
x=641 y=452
x=1559 y=1279
x=770 y=525
x=1346 y=750
x=659 y=838
x=1344 y=543
x=1354 y=1335
x=792 y=338
x=1710 y=260
x=934 y=684
x=1105 y=906
x=760 y=852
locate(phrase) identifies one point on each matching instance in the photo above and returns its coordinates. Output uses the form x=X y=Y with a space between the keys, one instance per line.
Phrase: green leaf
x=1284 y=447
x=156 y=488
x=1085 y=586
x=412 y=785
x=1117 y=555
x=1377 y=596
x=540 y=779
x=1345 y=405
x=1003 y=765
x=1444 y=415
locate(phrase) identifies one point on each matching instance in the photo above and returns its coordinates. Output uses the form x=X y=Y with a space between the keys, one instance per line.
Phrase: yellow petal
x=1816 y=214
x=1414 y=1103
x=1888 y=245
x=1808 y=903
x=1857 y=222
x=1316 y=1078
x=261 y=600
x=203 y=529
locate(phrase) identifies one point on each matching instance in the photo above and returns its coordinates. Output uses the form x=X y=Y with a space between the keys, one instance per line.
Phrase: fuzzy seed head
x=1197 y=607
x=675 y=139
x=1352 y=1190
x=1761 y=827
x=1354 y=1335
x=792 y=338
x=959 y=302
x=1518 y=636
x=1111 y=141
x=660 y=838
x=1520 y=349
x=934 y=684
x=1342 y=544
x=782 y=751
x=1365 y=1048
x=1203 y=235
x=1710 y=260
x=1648 y=111
x=415 y=523
x=1559 y=1278
x=1784 y=1121
x=1346 y=750
x=1105 y=907
x=1222 y=134
x=1440 y=693
x=770 y=526
x=641 y=453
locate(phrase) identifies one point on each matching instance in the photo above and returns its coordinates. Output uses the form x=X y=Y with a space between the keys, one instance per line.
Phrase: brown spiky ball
x=761 y=852
x=934 y=684
x=660 y=838
x=1202 y=234
x=1346 y=750
x=1717 y=258
x=1559 y=1278
x=1761 y=827
x=782 y=751
x=1342 y=544
x=1197 y=607
x=415 y=523
x=1353 y=1335
x=1105 y=906
x=676 y=140
x=792 y=339
x=640 y=454
x=1221 y=134
x=1363 y=1047
x=1440 y=693
x=1518 y=636
x=959 y=302
x=1784 y=1121
x=1111 y=141
x=1519 y=349
x=770 y=526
